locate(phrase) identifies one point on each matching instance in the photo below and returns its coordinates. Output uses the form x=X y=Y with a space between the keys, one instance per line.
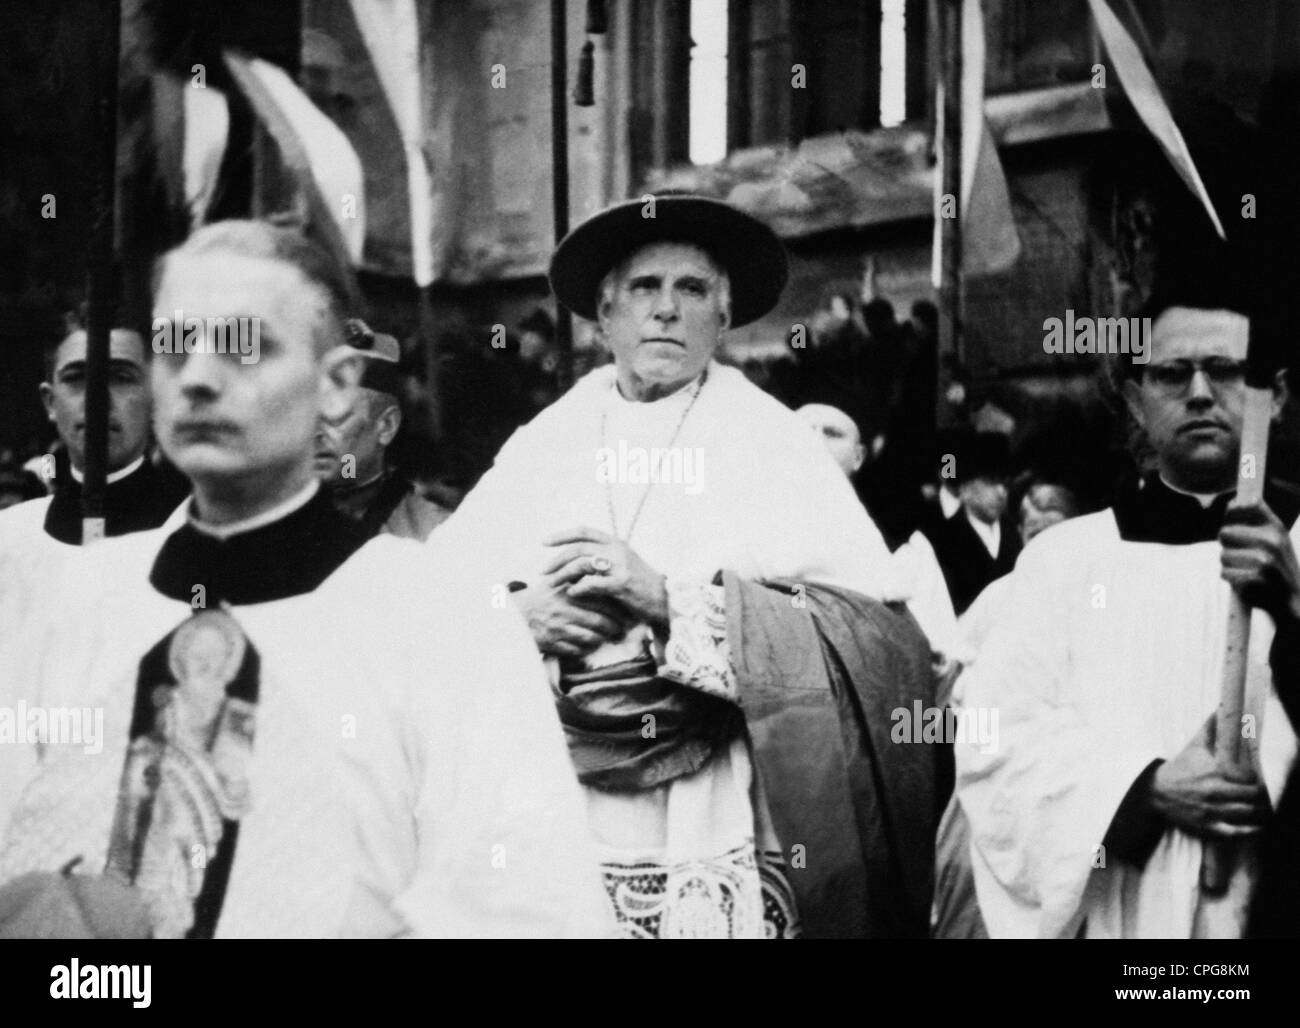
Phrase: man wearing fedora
x=632 y=522
x=977 y=544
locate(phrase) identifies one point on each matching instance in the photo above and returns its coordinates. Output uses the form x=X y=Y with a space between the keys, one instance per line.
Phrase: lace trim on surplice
x=704 y=899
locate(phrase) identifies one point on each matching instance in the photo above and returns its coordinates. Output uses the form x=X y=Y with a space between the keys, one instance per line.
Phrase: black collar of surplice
x=1151 y=512
x=286 y=558
x=139 y=501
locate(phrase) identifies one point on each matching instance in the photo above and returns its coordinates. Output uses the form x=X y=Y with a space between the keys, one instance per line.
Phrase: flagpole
x=950 y=282
x=560 y=171
x=428 y=331
x=100 y=278
x=1230 y=757
x=1270 y=338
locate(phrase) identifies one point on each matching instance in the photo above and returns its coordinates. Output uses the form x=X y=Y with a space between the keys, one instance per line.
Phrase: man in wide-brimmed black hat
x=641 y=522
x=977 y=544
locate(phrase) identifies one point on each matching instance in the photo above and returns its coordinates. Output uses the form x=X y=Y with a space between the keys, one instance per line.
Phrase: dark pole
x=560 y=170
x=950 y=287
x=100 y=288
x=428 y=329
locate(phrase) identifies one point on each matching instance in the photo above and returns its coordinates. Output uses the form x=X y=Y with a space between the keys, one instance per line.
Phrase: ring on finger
x=601 y=565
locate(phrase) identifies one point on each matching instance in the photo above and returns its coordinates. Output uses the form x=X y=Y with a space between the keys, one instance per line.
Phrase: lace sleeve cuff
x=696 y=653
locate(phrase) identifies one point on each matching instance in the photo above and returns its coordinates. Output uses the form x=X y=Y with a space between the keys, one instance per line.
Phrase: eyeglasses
x=1176 y=376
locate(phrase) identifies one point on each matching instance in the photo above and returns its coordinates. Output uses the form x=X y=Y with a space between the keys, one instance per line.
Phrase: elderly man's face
x=664 y=318
x=128 y=397
x=1190 y=397
x=223 y=421
x=361 y=433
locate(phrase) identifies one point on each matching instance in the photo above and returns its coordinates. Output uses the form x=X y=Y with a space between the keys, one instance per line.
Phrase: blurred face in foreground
x=243 y=432
x=662 y=313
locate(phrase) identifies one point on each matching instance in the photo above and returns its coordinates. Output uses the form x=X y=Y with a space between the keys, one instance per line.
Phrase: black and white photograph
x=598 y=470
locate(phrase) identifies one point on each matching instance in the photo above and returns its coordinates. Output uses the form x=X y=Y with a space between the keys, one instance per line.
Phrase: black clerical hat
x=749 y=251
x=982 y=455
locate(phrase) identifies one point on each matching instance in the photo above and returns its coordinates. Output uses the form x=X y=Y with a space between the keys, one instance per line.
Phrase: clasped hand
x=594 y=587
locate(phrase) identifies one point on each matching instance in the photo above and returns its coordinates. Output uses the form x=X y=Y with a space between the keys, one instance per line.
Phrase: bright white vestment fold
x=408 y=775
x=27 y=558
x=745 y=486
x=1107 y=656
x=918 y=577
x=753 y=488
x=37 y=535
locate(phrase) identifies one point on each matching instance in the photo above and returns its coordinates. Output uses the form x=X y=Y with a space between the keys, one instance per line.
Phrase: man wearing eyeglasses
x=1091 y=816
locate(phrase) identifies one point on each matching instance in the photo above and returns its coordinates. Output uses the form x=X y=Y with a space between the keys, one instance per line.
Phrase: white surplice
x=1107 y=655
x=917 y=576
x=977 y=620
x=408 y=774
x=28 y=557
x=759 y=495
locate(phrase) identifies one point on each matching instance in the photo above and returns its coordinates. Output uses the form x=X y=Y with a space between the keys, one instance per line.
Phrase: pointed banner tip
x=1144 y=94
x=313 y=148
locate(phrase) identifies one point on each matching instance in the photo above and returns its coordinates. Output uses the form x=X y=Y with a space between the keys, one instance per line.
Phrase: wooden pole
x=560 y=171
x=100 y=284
x=1274 y=281
x=1228 y=749
x=1230 y=754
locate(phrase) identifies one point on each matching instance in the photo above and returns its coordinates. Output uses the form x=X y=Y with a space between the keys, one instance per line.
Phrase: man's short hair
x=1044 y=494
x=1124 y=369
x=284 y=243
x=50 y=353
x=77 y=320
x=612 y=277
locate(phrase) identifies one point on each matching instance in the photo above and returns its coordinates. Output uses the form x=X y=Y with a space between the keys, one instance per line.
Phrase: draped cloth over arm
x=817 y=684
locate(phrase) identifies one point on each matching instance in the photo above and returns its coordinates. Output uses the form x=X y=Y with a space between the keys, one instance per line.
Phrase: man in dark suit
x=976 y=545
